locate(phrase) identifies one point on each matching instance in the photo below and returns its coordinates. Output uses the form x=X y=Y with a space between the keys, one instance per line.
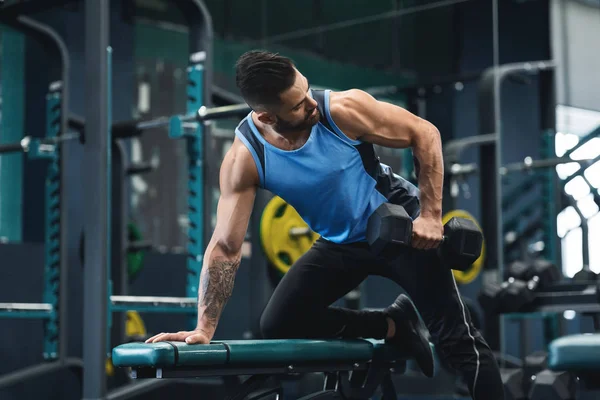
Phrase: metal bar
x=153 y=301
x=18 y=147
x=529 y=164
x=96 y=197
x=27 y=374
x=119 y=213
x=27 y=142
x=43 y=315
x=26 y=307
x=207 y=114
x=160 y=122
x=136 y=389
x=282 y=369
x=188 y=124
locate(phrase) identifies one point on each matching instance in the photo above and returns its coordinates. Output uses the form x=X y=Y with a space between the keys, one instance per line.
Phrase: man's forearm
x=430 y=170
x=215 y=288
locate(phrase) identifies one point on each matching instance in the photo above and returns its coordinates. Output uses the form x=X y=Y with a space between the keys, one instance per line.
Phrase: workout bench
x=354 y=368
x=579 y=355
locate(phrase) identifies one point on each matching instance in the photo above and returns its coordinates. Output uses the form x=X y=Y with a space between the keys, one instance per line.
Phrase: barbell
x=37 y=147
x=181 y=125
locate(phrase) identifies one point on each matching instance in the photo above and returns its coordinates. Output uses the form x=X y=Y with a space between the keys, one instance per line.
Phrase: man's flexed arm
x=238 y=183
x=362 y=117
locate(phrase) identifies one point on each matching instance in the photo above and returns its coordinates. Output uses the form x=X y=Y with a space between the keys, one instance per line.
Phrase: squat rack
x=55 y=308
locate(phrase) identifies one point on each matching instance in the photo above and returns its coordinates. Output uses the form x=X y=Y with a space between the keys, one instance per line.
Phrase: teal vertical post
x=109 y=197
x=12 y=119
x=195 y=151
x=52 y=230
x=549 y=193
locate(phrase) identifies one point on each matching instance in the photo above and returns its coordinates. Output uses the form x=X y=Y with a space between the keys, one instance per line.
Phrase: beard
x=283 y=126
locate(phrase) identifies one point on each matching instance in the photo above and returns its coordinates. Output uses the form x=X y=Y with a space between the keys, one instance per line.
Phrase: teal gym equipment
x=53 y=310
x=354 y=368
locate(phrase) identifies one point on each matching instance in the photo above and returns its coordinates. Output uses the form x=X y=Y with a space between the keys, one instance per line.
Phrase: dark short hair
x=262 y=76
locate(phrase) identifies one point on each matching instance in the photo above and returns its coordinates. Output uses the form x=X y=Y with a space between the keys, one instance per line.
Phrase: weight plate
x=468 y=276
x=281 y=248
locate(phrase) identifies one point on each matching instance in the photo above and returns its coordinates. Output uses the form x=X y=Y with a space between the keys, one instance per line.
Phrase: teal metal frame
x=53 y=227
x=195 y=151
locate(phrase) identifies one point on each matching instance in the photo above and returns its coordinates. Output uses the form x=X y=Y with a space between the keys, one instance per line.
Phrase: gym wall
x=574 y=24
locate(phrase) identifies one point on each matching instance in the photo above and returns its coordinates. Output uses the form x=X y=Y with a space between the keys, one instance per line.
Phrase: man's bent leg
x=459 y=344
x=300 y=305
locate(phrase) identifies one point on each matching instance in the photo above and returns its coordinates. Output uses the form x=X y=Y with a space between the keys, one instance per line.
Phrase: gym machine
x=101 y=245
x=53 y=310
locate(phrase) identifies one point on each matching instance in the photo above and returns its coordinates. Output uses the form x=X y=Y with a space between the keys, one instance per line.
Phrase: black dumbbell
x=390 y=228
x=533 y=364
x=510 y=296
x=546 y=271
x=553 y=385
x=524 y=280
x=512 y=381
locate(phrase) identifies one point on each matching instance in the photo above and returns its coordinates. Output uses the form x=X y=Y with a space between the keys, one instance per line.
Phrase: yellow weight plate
x=134 y=326
x=465 y=277
x=282 y=249
x=109 y=367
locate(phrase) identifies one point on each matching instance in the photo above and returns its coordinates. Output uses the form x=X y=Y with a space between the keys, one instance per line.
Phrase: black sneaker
x=411 y=333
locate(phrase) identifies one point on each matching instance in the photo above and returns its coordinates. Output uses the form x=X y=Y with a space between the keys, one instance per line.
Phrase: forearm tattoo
x=216 y=285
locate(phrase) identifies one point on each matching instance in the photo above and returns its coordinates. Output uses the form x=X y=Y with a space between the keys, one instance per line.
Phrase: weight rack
x=53 y=310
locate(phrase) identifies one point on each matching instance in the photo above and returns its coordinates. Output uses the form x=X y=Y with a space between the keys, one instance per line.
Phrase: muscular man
x=315 y=150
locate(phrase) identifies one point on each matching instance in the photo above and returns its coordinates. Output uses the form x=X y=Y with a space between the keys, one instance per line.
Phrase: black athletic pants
x=301 y=307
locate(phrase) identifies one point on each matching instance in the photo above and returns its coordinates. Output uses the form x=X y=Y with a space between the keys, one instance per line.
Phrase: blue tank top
x=334 y=182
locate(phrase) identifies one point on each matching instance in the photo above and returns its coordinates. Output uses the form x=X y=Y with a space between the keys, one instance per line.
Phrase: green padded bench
x=354 y=368
x=578 y=354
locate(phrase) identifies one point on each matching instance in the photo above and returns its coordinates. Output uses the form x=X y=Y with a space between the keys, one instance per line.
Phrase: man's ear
x=266 y=118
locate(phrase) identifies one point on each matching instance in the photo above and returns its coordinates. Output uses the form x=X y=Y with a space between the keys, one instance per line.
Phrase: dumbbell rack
x=581 y=297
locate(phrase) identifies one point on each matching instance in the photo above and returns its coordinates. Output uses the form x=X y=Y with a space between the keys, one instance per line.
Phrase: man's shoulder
x=239 y=166
x=347 y=100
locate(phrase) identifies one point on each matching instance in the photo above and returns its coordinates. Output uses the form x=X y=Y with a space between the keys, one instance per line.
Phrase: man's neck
x=285 y=141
